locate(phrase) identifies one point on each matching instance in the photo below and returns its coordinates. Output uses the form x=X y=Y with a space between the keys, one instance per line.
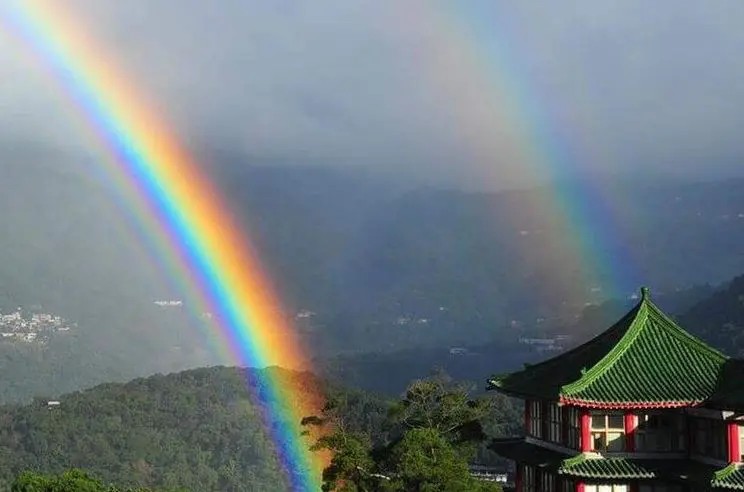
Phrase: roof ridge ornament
x=645 y=293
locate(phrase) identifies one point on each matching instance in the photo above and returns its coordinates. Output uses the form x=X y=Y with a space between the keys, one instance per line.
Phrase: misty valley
x=364 y=272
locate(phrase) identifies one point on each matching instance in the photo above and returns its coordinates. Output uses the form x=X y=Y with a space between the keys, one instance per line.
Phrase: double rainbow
x=473 y=58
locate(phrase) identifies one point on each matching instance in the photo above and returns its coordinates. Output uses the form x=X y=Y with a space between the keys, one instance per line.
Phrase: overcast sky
x=467 y=91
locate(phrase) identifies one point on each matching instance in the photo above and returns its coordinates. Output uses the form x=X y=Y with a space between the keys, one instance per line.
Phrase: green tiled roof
x=610 y=468
x=603 y=468
x=645 y=359
x=731 y=478
x=580 y=466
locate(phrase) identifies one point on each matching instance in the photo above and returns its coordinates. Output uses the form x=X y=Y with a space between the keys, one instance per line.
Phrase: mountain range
x=364 y=265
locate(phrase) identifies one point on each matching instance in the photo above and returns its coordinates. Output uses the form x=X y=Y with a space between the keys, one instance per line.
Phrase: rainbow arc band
x=182 y=215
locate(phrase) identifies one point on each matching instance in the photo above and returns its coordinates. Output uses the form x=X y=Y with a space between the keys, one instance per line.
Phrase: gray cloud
x=630 y=85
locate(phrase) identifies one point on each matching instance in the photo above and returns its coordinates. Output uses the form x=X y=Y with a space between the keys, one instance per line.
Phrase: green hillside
x=202 y=430
x=199 y=429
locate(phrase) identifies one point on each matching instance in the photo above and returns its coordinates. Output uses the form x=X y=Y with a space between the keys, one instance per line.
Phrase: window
x=573 y=427
x=546 y=421
x=528 y=480
x=607 y=488
x=554 y=423
x=741 y=442
x=534 y=480
x=536 y=417
x=661 y=433
x=547 y=482
x=710 y=438
x=608 y=432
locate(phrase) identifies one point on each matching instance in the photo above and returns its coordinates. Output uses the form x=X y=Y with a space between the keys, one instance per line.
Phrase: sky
x=472 y=93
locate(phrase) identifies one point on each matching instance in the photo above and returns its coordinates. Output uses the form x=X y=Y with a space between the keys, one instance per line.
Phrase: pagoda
x=642 y=407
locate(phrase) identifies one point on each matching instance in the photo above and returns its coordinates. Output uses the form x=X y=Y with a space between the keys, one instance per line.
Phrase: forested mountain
x=200 y=429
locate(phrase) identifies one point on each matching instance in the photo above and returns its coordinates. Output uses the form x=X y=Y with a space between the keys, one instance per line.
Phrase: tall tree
x=445 y=405
x=431 y=433
x=424 y=460
x=351 y=468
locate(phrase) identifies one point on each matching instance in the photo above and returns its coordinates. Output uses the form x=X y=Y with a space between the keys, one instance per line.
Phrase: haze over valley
x=362 y=266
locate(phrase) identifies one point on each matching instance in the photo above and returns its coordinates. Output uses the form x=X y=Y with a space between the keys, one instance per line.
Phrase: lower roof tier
x=730 y=478
x=682 y=471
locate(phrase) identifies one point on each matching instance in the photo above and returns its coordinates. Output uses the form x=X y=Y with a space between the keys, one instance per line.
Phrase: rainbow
x=183 y=216
x=474 y=56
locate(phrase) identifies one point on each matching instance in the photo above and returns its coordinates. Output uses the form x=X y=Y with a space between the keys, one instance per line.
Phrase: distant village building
x=31 y=327
x=168 y=303
x=305 y=314
x=409 y=320
x=643 y=407
x=551 y=344
x=490 y=474
x=536 y=341
x=458 y=351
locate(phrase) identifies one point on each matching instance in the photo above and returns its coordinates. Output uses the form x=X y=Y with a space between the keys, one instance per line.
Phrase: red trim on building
x=580 y=487
x=527 y=416
x=630 y=427
x=625 y=405
x=734 y=454
x=586 y=432
x=634 y=487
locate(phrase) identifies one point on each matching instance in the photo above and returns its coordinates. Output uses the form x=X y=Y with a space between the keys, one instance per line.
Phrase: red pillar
x=527 y=417
x=580 y=487
x=629 y=432
x=734 y=454
x=586 y=433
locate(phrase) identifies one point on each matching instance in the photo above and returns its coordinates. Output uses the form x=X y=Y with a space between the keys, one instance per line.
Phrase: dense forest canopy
x=201 y=430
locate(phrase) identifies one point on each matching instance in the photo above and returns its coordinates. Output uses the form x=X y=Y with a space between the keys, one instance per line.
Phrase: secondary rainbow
x=181 y=213
x=476 y=56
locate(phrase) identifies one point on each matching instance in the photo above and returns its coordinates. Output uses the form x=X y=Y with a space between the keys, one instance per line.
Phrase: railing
x=490 y=474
